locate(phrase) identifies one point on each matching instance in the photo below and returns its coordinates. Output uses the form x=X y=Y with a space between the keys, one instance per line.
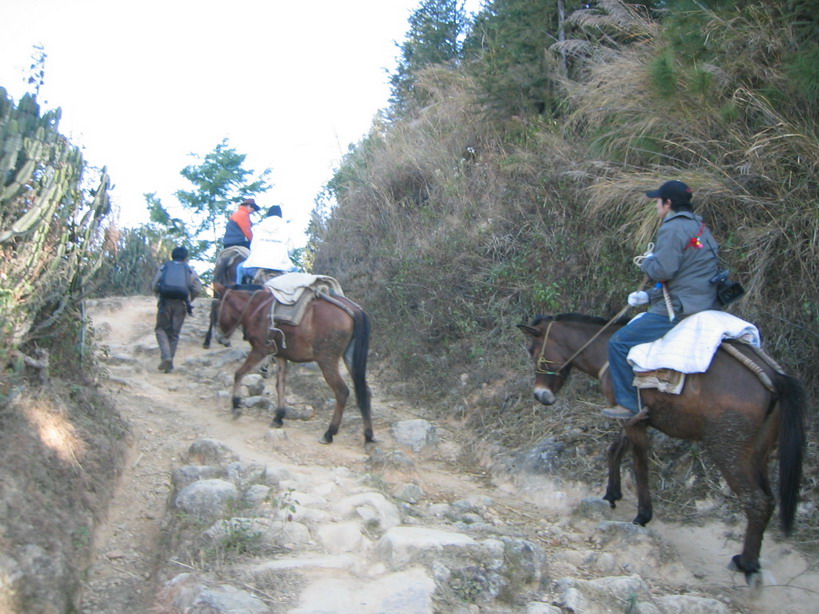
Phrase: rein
x=241 y=314
x=542 y=360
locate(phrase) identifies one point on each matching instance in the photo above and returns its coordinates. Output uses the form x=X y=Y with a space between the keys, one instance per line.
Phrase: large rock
x=416 y=434
x=405 y=592
x=187 y=594
x=370 y=507
x=402 y=545
x=207 y=498
x=210 y=452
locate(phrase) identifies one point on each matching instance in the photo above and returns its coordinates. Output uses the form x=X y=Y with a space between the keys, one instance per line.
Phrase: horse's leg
x=209 y=334
x=615 y=457
x=746 y=471
x=329 y=369
x=256 y=355
x=637 y=434
x=264 y=368
x=281 y=378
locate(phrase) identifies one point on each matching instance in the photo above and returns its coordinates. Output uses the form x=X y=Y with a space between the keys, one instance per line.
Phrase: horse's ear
x=528 y=330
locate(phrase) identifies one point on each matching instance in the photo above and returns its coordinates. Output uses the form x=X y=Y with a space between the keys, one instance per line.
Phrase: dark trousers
x=170 y=316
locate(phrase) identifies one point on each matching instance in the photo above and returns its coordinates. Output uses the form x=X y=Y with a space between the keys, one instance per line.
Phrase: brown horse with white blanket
x=333 y=328
x=729 y=409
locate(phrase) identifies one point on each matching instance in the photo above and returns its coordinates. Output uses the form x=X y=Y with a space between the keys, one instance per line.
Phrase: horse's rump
x=226 y=262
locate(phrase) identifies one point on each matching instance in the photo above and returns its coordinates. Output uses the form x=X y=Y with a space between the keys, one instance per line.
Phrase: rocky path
x=215 y=515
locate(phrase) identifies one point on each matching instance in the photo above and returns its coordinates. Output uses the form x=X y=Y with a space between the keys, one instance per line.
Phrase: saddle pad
x=689 y=347
x=236 y=251
x=664 y=380
x=284 y=313
x=289 y=287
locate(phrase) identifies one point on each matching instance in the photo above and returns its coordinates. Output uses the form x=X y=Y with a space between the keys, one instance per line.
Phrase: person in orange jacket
x=239 y=227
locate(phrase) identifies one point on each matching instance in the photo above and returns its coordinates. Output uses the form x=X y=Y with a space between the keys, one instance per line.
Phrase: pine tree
x=435 y=36
x=507 y=52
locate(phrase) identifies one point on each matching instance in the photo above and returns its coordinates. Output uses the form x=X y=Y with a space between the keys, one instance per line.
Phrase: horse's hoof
x=755 y=582
x=276 y=424
x=753 y=575
x=325 y=439
x=641 y=520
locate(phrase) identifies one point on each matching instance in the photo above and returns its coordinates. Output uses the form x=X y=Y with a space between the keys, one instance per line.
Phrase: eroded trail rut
x=402 y=527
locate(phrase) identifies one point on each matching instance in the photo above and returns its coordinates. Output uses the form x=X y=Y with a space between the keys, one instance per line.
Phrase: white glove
x=637 y=298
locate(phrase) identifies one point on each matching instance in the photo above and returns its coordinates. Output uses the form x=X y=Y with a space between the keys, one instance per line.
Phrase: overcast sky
x=144 y=84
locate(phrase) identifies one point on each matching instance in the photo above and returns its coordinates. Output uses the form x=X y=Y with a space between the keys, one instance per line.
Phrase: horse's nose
x=544 y=396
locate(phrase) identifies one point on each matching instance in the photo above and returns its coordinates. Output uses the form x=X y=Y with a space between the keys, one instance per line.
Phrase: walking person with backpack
x=177 y=285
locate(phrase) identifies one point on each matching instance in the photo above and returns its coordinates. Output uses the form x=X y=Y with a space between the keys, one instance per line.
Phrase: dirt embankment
x=137 y=554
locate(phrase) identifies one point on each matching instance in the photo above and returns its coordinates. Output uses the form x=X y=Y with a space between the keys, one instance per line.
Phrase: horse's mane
x=571 y=317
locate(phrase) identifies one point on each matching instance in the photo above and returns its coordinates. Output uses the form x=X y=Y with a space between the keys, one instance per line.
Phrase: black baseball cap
x=675 y=191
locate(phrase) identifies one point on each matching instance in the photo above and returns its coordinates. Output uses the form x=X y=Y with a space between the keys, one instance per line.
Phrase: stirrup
x=618 y=412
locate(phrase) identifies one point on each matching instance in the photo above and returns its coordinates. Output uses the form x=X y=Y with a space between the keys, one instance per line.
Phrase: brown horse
x=225 y=274
x=333 y=328
x=727 y=408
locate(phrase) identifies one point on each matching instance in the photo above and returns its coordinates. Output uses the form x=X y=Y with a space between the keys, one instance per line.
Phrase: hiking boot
x=618 y=412
x=166 y=366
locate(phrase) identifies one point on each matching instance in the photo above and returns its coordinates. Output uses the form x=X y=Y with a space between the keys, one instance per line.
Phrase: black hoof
x=327 y=438
x=753 y=575
x=276 y=424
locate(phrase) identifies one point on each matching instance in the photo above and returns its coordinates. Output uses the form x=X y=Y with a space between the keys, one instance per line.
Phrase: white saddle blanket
x=689 y=347
x=289 y=287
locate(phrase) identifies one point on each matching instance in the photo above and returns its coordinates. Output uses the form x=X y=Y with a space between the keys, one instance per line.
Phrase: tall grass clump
x=453 y=224
x=750 y=158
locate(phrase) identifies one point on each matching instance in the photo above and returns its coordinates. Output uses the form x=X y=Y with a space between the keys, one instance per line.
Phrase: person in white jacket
x=270 y=247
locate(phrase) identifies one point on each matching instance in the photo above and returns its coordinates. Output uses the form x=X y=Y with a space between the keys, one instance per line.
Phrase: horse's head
x=551 y=369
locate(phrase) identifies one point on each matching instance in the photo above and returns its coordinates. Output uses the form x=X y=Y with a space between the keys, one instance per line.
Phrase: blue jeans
x=648 y=327
x=241 y=271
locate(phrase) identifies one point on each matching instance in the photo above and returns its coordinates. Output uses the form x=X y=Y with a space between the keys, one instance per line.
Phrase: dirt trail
x=168 y=412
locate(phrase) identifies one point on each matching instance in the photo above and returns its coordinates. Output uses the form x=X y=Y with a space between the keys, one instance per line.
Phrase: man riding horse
x=683 y=265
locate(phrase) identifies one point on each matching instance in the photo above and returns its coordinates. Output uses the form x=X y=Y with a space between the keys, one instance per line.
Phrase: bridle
x=541 y=359
x=541 y=365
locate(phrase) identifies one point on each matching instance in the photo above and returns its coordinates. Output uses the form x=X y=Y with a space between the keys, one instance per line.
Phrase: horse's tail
x=361 y=348
x=791 y=401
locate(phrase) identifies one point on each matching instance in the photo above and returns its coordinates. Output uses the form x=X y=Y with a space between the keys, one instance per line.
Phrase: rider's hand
x=637 y=298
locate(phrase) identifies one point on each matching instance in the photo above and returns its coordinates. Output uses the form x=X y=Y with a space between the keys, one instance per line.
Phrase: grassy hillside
x=451 y=225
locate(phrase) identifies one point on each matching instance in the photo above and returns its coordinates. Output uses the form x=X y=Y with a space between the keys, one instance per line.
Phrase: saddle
x=294 y=292
x=690 y=346
x=233 y=255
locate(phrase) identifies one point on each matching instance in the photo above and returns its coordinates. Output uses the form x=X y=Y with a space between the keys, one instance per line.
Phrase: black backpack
x=174 y=280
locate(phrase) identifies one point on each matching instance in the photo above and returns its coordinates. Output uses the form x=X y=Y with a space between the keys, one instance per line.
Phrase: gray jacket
x=685 y=268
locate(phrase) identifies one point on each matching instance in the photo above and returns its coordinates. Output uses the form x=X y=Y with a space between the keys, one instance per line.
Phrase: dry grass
x=451 y=228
